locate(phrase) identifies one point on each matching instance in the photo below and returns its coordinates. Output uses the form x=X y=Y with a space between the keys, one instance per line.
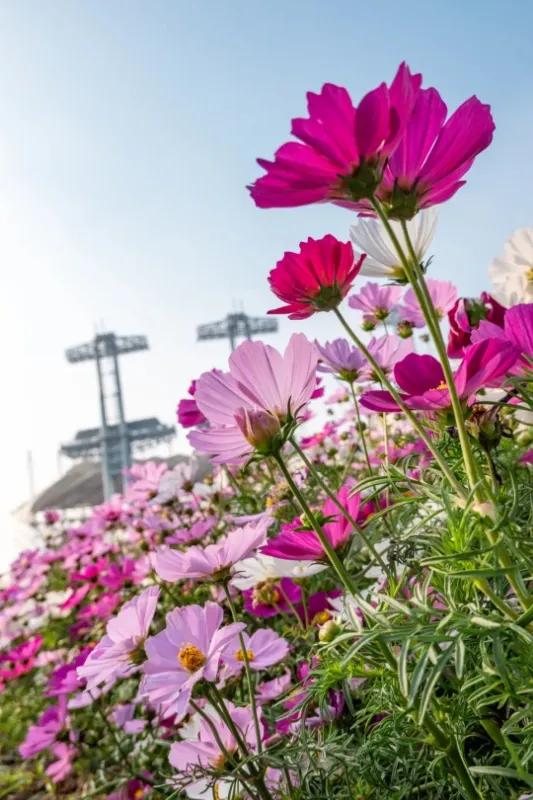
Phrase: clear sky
x=128 y=131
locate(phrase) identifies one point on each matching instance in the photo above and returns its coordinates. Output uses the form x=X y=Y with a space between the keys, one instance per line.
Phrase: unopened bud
x=260 y=428
x=328 y=631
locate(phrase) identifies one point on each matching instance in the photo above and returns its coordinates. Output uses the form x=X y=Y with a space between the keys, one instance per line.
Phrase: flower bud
x=328 y=631
x=260 y=428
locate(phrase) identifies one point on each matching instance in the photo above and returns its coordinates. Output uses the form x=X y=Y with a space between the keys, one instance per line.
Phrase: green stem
x=345 y=513
x=360 y=427
x=335 y=561
x=416 y=278
x=415 y=422
x=248 y=671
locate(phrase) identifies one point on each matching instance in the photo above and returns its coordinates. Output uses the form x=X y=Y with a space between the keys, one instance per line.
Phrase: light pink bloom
x=212 y=561
x=59 y=769
x=115 y=655
x=263 y=648
x=247 y=406
x=375 y=301
x=188 y=650
x=270 y=690
x=387 y=351
x=443 y=295
x=201 y=748
x=340 y=358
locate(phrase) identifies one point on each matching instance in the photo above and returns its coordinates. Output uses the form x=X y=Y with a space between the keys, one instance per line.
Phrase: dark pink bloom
x=317 y=278
x=298 y=545
x=19 y=659
x=342 y=148
x=64 y=679
x=517 y=330
x=422 y=384
x=44 y=733
x=51 y=517
x=269 y=598
x=466 y=315
x=188 y=413
x=434 y=153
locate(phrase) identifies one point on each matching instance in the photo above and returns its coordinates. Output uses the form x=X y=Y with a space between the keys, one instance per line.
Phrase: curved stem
x=415 y=422
x=360 y=427
x=247 y=670
x=345 y=513
x=334 y=560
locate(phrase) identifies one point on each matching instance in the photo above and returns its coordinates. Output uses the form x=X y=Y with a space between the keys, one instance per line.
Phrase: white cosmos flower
x=369 y=236
x=512 y=274
x=251 y=571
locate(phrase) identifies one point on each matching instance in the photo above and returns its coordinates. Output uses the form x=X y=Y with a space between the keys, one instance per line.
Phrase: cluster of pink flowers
x=187 y=615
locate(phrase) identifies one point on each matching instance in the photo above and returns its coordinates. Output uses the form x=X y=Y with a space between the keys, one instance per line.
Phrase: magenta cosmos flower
x=466 y=315
x=517 y=329
x=117 y=654
x=248 y=406
x=214 y=561
x=187 y=412
x=264 y=648
x=188 y=650
x=422 y=384
x=342 y=147
x=434 y=153
x=295 y=544
x=317 y=278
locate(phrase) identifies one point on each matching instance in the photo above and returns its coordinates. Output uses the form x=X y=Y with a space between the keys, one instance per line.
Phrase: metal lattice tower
x=237 y=324
x=112 y=442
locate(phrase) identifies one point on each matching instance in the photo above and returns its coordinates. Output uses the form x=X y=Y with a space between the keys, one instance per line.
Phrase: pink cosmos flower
x=342 y=148
x=270 y=690
x=434 y=153
x=188 y=650
x=188 y=413
x=123 y=717
x=215 y=560
x=387 y=351
x=422 y=384
x=62 y=766
x=117 y=654
x=340 y=358
x=517 y=329
x=317 y=278
x=375 y=301
x=443 y=295
x=247 y=406
x=466 y=315
x=295 y=544
x=263 y=649
x=19 y=659
x=201 y=748
x=44 y=733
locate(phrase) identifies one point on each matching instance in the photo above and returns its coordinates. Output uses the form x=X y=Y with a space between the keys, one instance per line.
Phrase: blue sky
x=128 y=131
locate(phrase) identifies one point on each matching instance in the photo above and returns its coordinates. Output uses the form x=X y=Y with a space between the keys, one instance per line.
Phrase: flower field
x=340 y=606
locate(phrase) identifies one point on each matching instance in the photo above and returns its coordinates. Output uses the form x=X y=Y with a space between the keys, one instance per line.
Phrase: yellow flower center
x=321 y=617
x=191 y=657
x=265 y=593
x=529 y=275
x=239 y=655
x=138 y=794
x=442 y=386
